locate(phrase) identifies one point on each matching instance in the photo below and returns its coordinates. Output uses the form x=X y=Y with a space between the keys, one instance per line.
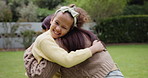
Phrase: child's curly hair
x=83 y=16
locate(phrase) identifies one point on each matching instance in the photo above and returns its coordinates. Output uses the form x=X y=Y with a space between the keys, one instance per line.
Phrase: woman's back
x=97 y=66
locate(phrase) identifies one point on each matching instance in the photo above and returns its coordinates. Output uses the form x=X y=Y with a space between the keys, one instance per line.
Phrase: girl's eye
x=56 y=23
x=64 y=27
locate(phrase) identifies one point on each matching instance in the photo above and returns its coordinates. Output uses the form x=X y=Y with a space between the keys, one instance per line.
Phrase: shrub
x=27 y=37
x=132 y=28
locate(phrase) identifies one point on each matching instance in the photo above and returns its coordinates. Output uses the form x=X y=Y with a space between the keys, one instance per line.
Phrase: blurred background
x=113 y=21
x=120 y=22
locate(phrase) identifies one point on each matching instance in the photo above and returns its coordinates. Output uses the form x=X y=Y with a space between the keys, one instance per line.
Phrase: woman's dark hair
x=46 y=22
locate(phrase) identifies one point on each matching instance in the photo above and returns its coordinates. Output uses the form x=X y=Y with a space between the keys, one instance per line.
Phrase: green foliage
x=99 y=9
x=43 y=12
x=136 y=9
x=133 y=10
x=14 y=5
x=50 y=4
x=5 y=12
x=28 y=13
x=27 y=36
x=123 y=29
x=14 y=28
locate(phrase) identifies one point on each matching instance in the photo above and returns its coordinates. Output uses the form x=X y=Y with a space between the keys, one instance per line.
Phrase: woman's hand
x=97 y=46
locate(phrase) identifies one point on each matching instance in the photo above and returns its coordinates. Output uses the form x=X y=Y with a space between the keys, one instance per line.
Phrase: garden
x=121 y=24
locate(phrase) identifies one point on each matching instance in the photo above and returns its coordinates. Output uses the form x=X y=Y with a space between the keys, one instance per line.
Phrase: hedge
x=123 y=29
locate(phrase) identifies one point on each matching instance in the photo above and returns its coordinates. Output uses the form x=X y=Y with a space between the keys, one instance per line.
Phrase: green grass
x=12 y=65
x=131 y=59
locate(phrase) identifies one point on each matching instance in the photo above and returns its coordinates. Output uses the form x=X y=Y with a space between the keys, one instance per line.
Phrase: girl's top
x=46 y=47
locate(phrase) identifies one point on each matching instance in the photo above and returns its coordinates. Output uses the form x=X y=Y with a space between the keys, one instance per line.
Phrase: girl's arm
x=58 y=55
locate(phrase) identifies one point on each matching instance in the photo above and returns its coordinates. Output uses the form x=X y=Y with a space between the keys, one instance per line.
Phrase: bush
x=27 y=37
x=5 y=12
x=50 y=4
x=28 y=13
x=132 y=28
x=43 y=13
x=136 y=9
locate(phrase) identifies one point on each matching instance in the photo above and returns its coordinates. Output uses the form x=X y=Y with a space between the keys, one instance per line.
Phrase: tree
x=28 y=13
x=14 y=4
x=99 y=9
x=50 y=4
x=5 y=14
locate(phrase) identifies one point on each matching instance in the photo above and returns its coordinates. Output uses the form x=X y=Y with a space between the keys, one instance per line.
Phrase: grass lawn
x=132 y=60
x=12 y=65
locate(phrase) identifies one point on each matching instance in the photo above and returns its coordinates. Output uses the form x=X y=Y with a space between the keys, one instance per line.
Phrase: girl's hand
x=97 y=46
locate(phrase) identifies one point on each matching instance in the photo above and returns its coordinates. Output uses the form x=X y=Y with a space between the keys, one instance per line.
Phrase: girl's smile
x=61 y=24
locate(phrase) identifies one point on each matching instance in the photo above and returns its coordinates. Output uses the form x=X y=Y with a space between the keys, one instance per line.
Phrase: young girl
x=45 y=47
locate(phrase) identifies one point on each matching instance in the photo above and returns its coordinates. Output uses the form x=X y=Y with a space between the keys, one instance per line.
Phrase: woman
x=101 y=65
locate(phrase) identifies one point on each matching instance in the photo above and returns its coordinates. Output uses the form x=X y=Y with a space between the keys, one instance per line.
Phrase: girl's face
x=61 y=24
